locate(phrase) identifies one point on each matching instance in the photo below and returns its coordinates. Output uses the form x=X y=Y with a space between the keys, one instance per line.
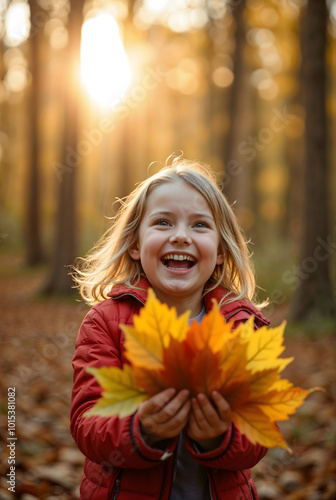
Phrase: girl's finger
x=171 y=427
x=157 y=402
x=168 y=411
x=198 y=415
x=192 y=425
x=222 y=405
x=210 y=414
x=181 y=418
x=153 y=405
x=172 y=408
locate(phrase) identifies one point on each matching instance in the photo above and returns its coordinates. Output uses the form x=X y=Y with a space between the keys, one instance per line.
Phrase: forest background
x=91 y=93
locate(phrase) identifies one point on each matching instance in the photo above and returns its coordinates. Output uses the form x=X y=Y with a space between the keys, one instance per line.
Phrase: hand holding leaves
x=164 y=415
x=208 y=422
x=241 y=365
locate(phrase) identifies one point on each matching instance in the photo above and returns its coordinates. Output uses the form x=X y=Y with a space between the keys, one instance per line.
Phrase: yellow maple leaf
x=278 y=405
x=245 y=330
x=233 y=364
x=263 y=381
x=142 y=349
x=281 y=384
x=264 y=346
x=257 y=427
x=152 y=331
x=121 y=395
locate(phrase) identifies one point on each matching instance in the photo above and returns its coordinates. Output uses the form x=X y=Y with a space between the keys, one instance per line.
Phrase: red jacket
x=118 y=463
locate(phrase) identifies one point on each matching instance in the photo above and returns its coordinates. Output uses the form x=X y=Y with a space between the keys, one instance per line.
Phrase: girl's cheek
x=155 y=239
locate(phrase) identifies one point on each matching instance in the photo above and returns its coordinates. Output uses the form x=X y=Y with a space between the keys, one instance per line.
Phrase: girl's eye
x=161 y=222
x=200 y=224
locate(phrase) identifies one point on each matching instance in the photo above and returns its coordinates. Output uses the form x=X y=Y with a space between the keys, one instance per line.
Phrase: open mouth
x=178 y=261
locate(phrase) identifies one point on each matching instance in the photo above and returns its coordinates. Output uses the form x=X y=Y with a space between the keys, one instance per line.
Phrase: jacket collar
x=232 y=308
x=228 y=310
x=140 y=292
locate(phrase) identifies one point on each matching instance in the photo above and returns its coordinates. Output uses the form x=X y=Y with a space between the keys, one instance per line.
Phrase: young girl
x=177 y=234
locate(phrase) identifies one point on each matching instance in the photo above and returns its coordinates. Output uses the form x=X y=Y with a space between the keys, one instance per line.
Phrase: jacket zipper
x=117 y=487
x=174 y=470
x=251 y=491
x=163 y=482
x=210 y=491
x=211 y=497
x=172 y=474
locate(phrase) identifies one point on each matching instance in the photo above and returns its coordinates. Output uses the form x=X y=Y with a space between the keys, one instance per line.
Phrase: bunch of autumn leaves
x=242 y=364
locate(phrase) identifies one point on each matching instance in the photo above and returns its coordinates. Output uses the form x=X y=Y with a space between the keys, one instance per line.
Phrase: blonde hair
x=109 y=262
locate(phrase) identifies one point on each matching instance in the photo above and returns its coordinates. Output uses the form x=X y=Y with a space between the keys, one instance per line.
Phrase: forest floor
x=37 y=343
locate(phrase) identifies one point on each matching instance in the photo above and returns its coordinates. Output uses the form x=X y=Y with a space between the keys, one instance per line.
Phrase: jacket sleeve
x=109 y=441
x=236 y=452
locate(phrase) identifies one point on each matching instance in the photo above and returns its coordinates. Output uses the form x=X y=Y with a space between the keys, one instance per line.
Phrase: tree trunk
x=34 y=254
x=236 y=168
x=314 y=294
x=65 y=243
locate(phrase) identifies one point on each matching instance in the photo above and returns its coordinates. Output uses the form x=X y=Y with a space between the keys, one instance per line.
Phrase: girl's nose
x=180 y=236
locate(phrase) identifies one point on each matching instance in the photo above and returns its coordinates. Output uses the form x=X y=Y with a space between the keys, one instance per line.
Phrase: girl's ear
x=134 y=252
x=220 y=256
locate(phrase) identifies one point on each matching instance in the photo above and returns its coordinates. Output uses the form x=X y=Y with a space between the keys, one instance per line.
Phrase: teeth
x=178 y=257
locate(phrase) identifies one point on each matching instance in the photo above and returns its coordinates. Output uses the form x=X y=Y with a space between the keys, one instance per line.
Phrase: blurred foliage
x=181 y=59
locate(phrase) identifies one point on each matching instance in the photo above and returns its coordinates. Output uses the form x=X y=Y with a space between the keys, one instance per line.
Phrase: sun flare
x=105 y=70
x=17 y=23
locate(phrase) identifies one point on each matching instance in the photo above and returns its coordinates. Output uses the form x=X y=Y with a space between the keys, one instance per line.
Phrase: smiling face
x=178 y=245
